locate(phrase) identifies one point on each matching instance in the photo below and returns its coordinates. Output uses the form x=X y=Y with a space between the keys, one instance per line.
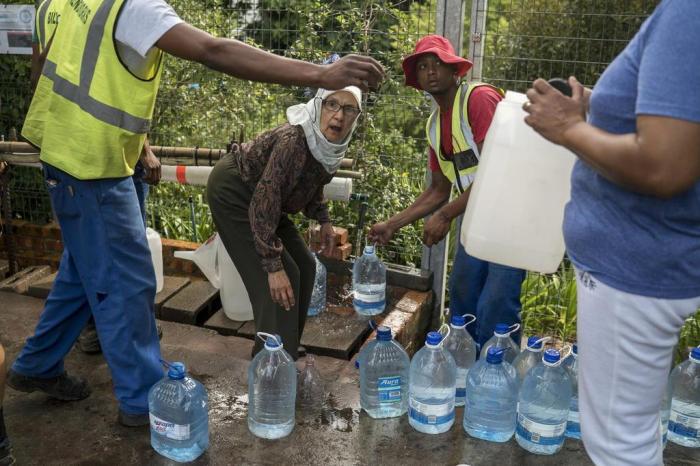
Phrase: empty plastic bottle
x=318 y=296
x=369 y=284
x=384 y=376
x=543 y=406
x=530 y=357
x=491 y=400
x=573 y=424
x=272 y=385
x=179 y=415
x=463 y=349
x=310 y=390
x=684 y=420
x=501 y=339
x=431 y=405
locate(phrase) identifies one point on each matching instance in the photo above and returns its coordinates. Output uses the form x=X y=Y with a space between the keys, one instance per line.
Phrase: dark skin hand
x=639 y=162
x=242 y=61
x=151 y=163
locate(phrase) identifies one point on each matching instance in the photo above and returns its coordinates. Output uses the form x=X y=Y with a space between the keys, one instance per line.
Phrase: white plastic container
x=215 y=263
x=516 y=208
x=156 y=247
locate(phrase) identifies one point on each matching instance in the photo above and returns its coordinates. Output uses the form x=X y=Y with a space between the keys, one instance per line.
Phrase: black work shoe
x=88 y=342
x=133 y=420
x=6 y=458
x=64 y=387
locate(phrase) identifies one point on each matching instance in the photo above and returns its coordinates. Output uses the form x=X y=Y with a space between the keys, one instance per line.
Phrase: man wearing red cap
x=455 y=134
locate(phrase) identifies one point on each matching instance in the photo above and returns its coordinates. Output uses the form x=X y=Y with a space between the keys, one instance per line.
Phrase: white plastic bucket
x=156 y=247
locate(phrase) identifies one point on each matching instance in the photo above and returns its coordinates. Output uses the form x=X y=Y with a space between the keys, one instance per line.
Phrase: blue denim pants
x=105 y=272
x=489 y=291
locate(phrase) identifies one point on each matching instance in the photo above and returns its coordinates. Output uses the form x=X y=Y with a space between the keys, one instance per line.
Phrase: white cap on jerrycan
x=516 y=208
x=156 y=247
x=215 y=263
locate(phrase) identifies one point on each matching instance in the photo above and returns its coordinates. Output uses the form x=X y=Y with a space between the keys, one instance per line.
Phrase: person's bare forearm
x=429 y=201
x=456 y=208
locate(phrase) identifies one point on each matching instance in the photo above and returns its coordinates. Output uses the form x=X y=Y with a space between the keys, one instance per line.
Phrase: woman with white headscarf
x=253 y=189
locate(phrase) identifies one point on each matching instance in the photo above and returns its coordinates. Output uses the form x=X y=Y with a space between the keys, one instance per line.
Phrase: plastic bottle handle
x=541 y=340
x=265 y=336
x=513 y=328
x=447 y=333
x=473 y=317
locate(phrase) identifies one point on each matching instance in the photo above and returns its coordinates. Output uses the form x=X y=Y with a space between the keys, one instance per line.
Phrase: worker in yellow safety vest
x=89 y=116
x=456 y=131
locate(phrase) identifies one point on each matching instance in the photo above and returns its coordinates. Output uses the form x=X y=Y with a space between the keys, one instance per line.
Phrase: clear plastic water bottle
x=684 y=420
x=178 y=410
x=665 y=414
x=272 y=386
x=318 y=296
x=543 y=406
x=529 y=358
x=491 y=400
x=573 y=424
x=463 y=349
x=384 y=376
x=369 y=284
x=431 y=393
x=501 y=339
x=310 y=390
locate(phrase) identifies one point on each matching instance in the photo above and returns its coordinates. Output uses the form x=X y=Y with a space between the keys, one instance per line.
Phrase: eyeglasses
x=348 y=110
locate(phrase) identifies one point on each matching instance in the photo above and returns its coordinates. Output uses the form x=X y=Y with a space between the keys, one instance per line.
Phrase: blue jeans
x=489 y=291
x=141 y=188
x=105 y=272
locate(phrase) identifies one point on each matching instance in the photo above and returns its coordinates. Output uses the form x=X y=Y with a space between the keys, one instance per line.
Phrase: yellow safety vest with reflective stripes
x=47 y=17
x=90 y=114
x=460 y=169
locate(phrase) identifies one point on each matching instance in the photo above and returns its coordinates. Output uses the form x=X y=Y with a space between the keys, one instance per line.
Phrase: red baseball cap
x=436 y=45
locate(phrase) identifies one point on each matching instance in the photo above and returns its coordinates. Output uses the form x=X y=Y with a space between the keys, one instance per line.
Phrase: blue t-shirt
x=632 y=242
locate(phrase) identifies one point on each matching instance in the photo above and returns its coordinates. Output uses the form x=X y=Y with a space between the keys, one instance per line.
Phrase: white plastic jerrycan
x=215 y=263
x=156 y=247
x=516 y=207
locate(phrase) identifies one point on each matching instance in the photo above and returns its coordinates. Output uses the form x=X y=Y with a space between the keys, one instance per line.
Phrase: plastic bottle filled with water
x=318 y=295
x=463 y=349
x=491 y=400
x=272 y=386
x=501 y=339
x=684 y=420
x=543 y=406
x=529 y=357
x=310 y=389
x=665 y=414
x=431 y=393
x=369 y=283
x=573 y=424
x=384 y=376
x=178 y=410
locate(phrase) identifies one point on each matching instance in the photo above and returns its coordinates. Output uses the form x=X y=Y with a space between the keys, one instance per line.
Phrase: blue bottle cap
x=369 y=249
x=271 y=343
x=176 y=371
x=551 y=356
x=383 y=333
x=501 y=329
x=357 y=364
x=458 y=320
x=433 y=338
x=533 y=342
x=574 y=349
x=494 y=355
x=695 y=354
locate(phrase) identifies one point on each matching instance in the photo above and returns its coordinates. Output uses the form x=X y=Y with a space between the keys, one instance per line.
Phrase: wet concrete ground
x=45 y=431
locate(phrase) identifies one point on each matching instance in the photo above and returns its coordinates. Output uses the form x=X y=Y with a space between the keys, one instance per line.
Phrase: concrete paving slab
x=4 y=268
x=49 y=432
x=42 y=287
x=20 y=282
x=171 y=285
x=222 y=324
x=194 y=304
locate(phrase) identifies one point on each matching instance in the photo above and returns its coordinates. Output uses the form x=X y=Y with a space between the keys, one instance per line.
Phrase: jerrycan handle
x=561 y=85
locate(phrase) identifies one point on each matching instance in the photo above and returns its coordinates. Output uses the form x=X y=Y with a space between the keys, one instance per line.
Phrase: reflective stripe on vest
x=462 y=136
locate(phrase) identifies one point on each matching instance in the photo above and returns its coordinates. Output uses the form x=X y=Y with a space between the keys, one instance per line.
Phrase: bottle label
x=370 y=297
x=389 y=389
x=461 y=388
x=170 y=429
x=574 y=417
x=431 y=414
x=684 y=425
x=541 y=434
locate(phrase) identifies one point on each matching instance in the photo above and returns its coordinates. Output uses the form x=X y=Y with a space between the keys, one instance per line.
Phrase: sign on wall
x=16 y=24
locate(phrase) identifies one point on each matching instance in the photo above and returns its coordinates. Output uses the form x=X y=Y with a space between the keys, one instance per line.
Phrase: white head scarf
x=308 y=116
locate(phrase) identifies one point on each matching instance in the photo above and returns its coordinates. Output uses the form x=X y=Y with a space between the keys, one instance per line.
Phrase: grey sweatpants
x=625 y=346
x=229 y=198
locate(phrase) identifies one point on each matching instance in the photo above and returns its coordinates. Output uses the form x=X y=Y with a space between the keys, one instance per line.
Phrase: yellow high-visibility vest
x=90 y=114
x=461 y=168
